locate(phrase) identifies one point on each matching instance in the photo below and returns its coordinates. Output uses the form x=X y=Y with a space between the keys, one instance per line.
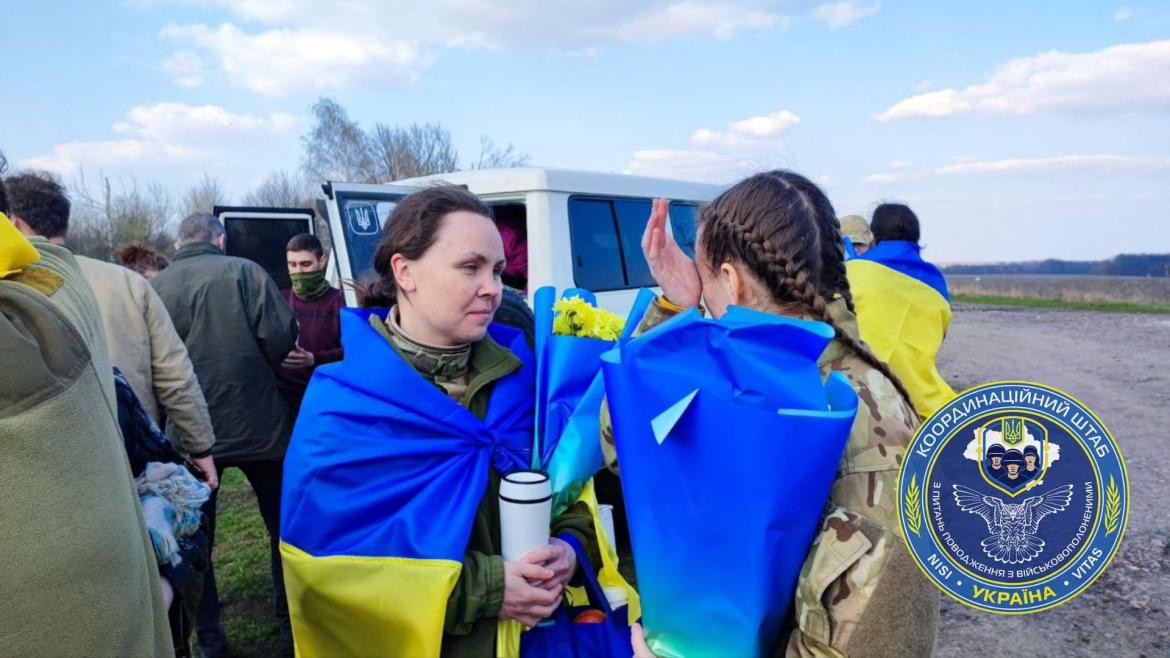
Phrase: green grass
x=242 y=571
x=1034 y=302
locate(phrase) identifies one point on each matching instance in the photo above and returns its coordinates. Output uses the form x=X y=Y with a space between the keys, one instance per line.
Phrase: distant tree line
x=336 y=148
x=1120 y=265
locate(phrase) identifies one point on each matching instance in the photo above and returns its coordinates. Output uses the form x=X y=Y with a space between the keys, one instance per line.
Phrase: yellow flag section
x=508 y=634
x=904 y=321
x=337 y=602
x=15 y=249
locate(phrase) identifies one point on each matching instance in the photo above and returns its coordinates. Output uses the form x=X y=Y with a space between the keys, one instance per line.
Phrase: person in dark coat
x=238 y=330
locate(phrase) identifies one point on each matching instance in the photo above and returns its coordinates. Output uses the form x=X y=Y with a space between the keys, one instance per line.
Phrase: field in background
x=1149 y=291
x=1058 y=304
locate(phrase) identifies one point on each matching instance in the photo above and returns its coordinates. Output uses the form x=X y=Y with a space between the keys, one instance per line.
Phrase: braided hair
x=782 y=227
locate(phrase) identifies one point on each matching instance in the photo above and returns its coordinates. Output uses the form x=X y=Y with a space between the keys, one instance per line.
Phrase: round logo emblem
x=1013 y=497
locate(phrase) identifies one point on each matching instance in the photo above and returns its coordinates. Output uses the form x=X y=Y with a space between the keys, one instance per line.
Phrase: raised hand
x=672 y=269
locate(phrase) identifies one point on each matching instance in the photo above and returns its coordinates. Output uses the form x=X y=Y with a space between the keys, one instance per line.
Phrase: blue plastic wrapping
x=729 y=441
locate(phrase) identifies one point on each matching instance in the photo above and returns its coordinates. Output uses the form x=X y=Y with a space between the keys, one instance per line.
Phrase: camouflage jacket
x=859 y=591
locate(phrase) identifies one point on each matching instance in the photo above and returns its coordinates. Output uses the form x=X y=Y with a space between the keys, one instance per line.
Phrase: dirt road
x=1118 y=365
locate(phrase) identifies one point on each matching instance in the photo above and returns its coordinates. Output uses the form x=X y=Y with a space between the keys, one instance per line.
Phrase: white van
x=582 y=229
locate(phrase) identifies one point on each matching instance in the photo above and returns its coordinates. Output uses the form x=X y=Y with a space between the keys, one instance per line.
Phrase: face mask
x=309 y=285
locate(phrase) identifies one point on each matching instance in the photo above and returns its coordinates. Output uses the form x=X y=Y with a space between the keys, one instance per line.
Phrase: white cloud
x=172 y=140
x=752 y=132
x=1122 y=14
x=283 y=61
x=1057 y=163
x=720 y=20
x=1094 y=164
x=885 y=178
x=278 y=47
x=1124 y=77
x=840 y=14
x=742 y=148
x=691 y=164
x=185 y=67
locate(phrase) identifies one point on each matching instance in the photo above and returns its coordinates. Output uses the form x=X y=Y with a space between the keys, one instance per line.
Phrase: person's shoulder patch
x=41 y=279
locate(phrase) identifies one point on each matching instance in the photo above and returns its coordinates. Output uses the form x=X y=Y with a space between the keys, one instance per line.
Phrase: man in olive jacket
x=237 y=329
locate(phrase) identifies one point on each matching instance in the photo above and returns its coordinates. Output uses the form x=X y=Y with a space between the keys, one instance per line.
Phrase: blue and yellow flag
x=382 y=480
x=903 y=311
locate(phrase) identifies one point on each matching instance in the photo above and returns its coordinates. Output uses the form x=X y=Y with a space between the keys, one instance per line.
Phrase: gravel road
x=1118 y=365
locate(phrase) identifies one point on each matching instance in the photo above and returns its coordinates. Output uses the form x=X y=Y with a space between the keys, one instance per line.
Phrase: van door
x=261 y=234
x=356 y=213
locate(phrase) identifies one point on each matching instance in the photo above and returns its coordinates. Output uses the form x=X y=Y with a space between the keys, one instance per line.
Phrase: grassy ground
x=242 y=571
x=1032 y=302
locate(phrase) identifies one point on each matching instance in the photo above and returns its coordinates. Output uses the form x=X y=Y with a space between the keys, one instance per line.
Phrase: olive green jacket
x=237 y=329
x=78 y=573
x=474 y=604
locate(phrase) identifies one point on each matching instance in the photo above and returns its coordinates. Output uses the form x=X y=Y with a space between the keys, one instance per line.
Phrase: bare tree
x=103 y=219
x=281 y=189
x=336 y=148
x=203 y=196
x=495 y=157
x=417 y=150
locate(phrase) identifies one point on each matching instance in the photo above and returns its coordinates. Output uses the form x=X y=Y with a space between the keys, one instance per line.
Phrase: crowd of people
x=129 y=387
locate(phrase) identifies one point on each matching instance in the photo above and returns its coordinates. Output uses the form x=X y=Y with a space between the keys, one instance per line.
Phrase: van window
x=606 y=240
x=511 y=219
x=362 y=221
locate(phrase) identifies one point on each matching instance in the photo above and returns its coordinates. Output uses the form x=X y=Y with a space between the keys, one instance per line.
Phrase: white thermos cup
x=525 y=513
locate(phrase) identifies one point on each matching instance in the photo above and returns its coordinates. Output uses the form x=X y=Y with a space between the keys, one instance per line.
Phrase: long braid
x=796 y=273
x=833 y=275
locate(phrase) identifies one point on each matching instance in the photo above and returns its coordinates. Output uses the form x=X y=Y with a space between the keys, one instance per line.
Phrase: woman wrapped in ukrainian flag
x=903 y=305
x=762 y=527
x=390 y=524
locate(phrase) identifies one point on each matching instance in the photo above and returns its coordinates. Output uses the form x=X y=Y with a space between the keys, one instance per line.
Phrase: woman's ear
x=403 y=275
x=734 y=282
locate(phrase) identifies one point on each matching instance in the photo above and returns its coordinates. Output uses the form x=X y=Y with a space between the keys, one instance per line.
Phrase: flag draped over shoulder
x=903 y=311
x=729 y=441
x=382 y=480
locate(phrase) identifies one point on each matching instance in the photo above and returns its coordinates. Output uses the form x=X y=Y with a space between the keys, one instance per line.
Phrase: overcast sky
x=1016 y=130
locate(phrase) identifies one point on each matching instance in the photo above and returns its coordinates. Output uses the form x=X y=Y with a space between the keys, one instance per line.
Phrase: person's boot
x=213 y=642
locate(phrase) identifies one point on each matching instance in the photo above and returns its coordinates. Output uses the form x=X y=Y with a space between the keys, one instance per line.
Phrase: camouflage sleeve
x=859 y=591
x=658 y=312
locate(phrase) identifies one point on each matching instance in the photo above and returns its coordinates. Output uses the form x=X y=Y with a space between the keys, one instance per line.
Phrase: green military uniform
x=78 y=573
x=859 y=591
x=467 y=374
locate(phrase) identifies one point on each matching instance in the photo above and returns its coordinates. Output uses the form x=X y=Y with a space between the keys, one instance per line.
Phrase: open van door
x=356 y=213
x=261 y=234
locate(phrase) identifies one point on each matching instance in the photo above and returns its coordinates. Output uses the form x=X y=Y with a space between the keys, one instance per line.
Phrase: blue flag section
x=382 y=480
x=569 y=391
x=906 y=258
x=729 y=442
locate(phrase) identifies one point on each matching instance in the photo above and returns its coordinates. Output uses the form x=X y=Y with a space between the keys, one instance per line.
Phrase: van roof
x=539 y=179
